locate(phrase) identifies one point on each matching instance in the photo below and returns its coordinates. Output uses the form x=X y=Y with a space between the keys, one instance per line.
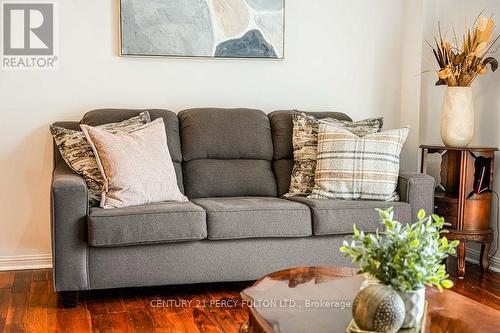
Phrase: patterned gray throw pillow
x=78 y=154
x=305 y=146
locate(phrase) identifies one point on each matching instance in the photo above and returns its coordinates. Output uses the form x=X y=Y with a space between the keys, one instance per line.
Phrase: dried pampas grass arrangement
x=460 y=66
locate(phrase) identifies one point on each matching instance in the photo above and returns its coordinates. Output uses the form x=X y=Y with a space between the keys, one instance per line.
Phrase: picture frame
x=210 y=29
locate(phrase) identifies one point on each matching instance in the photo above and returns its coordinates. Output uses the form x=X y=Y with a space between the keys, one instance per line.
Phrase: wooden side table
x=463 y=195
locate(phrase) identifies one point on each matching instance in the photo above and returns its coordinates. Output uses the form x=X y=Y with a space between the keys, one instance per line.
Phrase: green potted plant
x=404 y=257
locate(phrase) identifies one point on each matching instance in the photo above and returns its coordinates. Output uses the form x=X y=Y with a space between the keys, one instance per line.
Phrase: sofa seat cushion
x=336 y=217
x=151 y=223
x=255 y=217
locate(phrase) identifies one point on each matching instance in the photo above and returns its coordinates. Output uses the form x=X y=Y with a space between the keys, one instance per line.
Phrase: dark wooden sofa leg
x=68 y=299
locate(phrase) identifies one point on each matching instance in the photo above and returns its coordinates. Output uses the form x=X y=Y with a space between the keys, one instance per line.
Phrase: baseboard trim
x=473 y=255
x=34 y=261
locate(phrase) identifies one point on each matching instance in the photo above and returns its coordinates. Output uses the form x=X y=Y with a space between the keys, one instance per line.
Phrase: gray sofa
x=234 y=165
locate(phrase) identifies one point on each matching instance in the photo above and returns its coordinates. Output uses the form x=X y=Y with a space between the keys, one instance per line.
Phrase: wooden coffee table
x=319 y=299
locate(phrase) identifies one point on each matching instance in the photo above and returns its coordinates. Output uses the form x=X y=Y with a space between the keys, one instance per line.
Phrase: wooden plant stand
x=463 y=195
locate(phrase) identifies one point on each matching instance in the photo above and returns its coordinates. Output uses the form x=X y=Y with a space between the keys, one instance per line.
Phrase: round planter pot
x=378 y=308
x=414 y=304
x=457 y=117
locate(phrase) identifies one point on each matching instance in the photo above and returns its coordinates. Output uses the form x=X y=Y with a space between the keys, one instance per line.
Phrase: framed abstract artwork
x=203 y=28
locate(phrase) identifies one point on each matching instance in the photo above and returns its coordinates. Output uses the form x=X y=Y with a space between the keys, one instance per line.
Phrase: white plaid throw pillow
x=305 y=146
x=357 y=168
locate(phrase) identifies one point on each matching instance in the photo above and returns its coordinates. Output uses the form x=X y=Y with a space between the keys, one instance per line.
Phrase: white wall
x=411 y=63
x=486 y=88
x=340 y=55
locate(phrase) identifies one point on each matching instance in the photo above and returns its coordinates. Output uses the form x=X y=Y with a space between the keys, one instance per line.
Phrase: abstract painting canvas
x=202 y=28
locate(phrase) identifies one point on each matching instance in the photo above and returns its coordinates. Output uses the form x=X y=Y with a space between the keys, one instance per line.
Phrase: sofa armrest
x=69 y=210
x=418 y=190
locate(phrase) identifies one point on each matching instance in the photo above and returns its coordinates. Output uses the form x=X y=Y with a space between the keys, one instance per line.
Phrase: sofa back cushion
x=282 y=130
x=226 y=152
x=104 y=116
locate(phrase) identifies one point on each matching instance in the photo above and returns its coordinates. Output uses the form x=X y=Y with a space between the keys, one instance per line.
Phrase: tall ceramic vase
x=457 y=117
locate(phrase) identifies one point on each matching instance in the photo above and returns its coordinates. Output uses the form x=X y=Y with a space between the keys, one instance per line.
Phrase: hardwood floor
x=29 y=304
x=481 y=287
